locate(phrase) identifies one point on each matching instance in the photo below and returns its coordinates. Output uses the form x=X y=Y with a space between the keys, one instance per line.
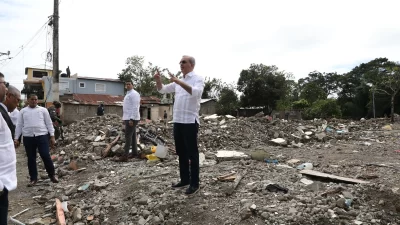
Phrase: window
x=82 y=85
x=39 y=74
x=100 y=88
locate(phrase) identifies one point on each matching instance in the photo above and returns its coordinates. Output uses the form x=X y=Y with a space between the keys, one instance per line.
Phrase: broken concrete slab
x=231 y=155
x=332 y=177
x=279 y=141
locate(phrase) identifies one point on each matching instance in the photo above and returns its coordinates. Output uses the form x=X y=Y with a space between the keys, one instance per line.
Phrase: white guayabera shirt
x=8 y=160
x=186 y=106
x=131 y=106
x=34 y=122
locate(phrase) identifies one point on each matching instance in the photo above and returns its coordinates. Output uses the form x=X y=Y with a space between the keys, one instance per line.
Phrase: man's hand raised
x=173 y=78
x=157 y=76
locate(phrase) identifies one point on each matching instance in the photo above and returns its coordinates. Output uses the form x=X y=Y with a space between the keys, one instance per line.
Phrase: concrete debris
x=234 y=161
x=230 y=155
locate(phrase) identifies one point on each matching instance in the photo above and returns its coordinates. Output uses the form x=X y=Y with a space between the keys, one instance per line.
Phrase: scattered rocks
x=138 y=192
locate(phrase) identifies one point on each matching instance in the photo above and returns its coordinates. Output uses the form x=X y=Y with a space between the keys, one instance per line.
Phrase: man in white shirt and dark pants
x=131 y=118
x=188 y=93
x=34 y=123
x=8 y=166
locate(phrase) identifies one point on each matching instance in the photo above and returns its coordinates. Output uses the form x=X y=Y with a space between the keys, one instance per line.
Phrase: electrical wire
x=28 y=42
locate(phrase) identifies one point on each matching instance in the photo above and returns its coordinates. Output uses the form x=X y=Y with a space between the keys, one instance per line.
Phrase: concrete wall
x=74 y=112
x=168 y=108
x=208 y=108
x=155 y=111
x=67 y=85
x=30 y=72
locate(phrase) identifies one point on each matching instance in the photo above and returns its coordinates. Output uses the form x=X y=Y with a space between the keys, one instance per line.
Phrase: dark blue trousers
x=4 y=207
x=40 y=143
x=185 y=136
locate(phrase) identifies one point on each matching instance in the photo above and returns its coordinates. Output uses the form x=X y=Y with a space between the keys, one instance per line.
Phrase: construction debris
x=265 y=188
x=332 y=177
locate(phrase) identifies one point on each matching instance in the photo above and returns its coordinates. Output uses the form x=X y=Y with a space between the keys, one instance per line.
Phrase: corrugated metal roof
x=99 y=78
x=95 y=99
x=206 y=100
x=150 y=100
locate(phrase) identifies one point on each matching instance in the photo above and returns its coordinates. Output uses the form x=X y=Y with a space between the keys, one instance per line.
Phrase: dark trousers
x=185 y=136
x=130 y=137
x=40 y=143
x=4 y=207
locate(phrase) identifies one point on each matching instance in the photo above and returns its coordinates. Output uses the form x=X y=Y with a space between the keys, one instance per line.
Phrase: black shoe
x=192 y=190
x=180 y=184
x=54 y=179
x=32 y=183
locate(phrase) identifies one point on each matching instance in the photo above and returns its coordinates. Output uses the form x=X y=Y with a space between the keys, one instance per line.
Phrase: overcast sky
x=224 y=36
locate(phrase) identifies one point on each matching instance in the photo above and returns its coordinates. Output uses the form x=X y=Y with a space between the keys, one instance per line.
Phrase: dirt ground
x=211 y=206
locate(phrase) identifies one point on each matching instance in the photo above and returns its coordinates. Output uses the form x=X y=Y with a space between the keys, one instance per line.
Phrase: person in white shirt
x=8 y=163
x=35 y=125
x=188 y=93
x=12 y=102
x=14 y=116
x=10 y=105
x=130 y=117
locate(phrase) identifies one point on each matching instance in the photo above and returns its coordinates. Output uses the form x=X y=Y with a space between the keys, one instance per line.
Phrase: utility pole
x=55 y=86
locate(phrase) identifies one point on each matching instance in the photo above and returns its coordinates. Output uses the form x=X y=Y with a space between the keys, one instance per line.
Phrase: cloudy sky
x=224 y=36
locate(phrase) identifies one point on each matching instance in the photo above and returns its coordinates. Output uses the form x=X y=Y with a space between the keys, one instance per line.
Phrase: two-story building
x=81 y=95
x=34 y=82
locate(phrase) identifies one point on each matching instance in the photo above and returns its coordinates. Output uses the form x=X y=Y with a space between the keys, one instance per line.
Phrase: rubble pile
x=219 y=133
x=305 y=172
x=226 y=132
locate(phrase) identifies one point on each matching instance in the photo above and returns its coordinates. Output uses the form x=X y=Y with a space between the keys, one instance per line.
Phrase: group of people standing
x=188 y=91
x=34 y=127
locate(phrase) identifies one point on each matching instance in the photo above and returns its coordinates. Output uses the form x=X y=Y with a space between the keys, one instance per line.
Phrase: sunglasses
x=5 y=83
x=182 y=62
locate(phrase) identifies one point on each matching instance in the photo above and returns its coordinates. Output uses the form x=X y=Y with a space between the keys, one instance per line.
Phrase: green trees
x=228 y=101
x=141 y=75
x=261 y=85
x=320 y=94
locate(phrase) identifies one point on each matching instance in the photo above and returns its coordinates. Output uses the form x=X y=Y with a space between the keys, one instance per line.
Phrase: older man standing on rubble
x=131 y=118
x=35 y=125
x=186 y=121
x=8 y=162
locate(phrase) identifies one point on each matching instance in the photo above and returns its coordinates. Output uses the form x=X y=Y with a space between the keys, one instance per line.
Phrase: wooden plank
x=226 y=175
x=236 y=183
x=333 y=177
x=59 y=213
x=107 y=150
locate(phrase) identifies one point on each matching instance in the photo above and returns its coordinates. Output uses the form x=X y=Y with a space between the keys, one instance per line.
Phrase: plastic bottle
x=305 y=166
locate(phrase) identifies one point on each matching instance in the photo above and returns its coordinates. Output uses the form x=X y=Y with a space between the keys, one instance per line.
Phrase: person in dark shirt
x=165 y=118
x=100 y=110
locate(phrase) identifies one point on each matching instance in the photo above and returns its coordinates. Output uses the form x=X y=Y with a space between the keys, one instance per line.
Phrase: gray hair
x=191 y=59
x=13 y=90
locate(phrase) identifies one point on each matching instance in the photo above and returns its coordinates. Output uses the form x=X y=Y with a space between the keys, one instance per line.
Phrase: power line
x=27 y=43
